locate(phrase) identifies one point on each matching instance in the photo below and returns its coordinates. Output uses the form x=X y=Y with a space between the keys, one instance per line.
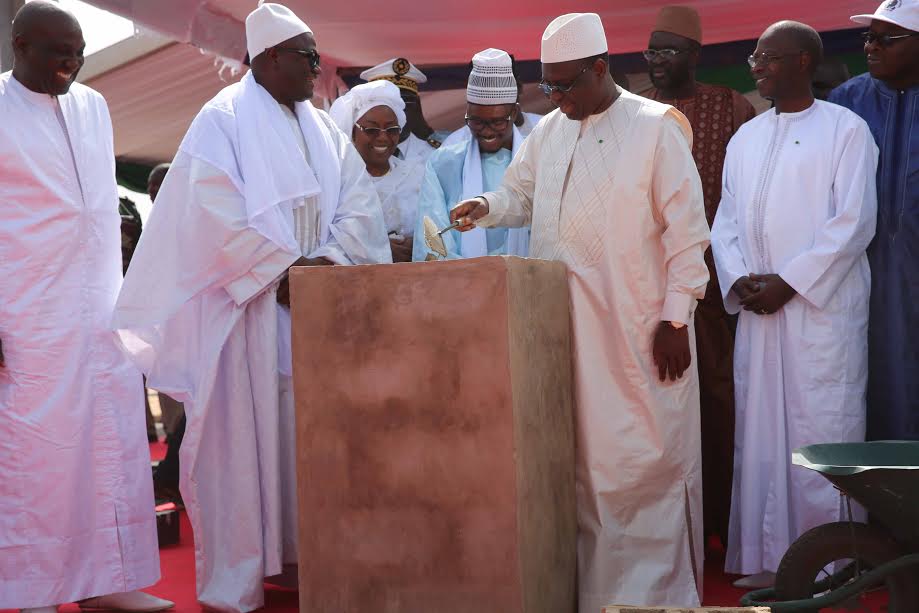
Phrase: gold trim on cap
x=401 y=82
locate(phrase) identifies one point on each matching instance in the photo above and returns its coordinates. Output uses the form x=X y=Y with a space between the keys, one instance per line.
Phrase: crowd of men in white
x=264 y=181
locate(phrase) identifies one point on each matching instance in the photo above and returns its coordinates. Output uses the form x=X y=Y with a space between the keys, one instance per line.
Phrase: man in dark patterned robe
x=715 y=113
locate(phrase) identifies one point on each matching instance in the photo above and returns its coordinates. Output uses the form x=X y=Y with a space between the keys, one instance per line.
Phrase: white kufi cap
x=269 y=25
x=903 y=13
x=492 y=79
x=347 y=109
x=574 y=36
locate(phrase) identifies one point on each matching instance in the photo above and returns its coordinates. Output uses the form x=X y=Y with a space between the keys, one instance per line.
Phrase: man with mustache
x=797 y=211
x=887 y=97
x=473 y=165
x=715 y=113
x=262 y=181
x=76 y=503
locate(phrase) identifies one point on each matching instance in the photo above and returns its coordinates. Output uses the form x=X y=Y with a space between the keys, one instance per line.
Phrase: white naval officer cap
x=399 y=71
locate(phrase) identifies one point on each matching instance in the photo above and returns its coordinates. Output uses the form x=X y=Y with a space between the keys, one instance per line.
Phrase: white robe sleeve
x=197 y=242
x=676 y=194
x=198 y=238
x=511 y=205
x=726 y=248
x=816 y=273
x=357 y=232
x=433 y=203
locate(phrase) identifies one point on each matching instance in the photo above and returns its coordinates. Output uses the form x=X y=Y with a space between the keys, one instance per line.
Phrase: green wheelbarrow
x=835 y=563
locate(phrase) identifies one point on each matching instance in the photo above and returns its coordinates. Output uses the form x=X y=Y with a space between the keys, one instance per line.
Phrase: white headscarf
x=352 y=106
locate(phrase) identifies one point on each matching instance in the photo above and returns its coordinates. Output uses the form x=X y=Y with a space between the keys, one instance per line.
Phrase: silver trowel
x=433 y=237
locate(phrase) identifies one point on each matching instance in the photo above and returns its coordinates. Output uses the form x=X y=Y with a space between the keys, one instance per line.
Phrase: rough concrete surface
x=435 y=437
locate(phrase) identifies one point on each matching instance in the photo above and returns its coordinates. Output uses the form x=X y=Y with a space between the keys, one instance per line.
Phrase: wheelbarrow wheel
x=802 y=565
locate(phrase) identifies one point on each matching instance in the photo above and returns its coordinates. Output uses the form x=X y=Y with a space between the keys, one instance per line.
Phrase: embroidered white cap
x=269 y=25
x=491 y=81
x=903 y=13
x=574 y=36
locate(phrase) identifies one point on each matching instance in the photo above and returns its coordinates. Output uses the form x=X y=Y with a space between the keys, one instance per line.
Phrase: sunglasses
x=391 y=131
x=311 y=55
x=884 y=40
x=548 y=89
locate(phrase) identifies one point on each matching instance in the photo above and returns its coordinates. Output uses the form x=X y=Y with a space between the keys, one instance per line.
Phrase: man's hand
x=284 y=287
x=468 y=212
x=744 y=287
x=401 y=249
x=772 y=295
x=671 y=351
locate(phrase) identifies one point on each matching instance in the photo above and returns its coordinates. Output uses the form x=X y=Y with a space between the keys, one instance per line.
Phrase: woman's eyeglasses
x=391 y=131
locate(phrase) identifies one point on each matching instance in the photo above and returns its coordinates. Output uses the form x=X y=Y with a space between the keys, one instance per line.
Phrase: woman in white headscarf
x=374 y=115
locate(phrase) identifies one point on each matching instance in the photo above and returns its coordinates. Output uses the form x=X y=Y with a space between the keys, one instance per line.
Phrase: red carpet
x=178 y=583
x=178 y=577
x=158 y=451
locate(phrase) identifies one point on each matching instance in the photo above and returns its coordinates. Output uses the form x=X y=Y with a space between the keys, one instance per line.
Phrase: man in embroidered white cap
x=472 y=166
x=419 y=140
x=887 y=98
x=262 y=181
x=609 y=183
x=76 y=499
x=525 y=121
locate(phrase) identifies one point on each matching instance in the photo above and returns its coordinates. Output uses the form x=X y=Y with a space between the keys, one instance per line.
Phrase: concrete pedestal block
x=435 y=437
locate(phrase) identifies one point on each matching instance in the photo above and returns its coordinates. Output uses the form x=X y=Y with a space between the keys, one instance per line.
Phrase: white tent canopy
x=154 y=97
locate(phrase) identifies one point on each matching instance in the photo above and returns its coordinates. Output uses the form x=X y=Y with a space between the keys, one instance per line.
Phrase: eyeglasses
x=765 y=58
x=548 y=89
x=391 y=131
x=664 y=54
x=310 y=54
x=884 y=40
x=477 y=124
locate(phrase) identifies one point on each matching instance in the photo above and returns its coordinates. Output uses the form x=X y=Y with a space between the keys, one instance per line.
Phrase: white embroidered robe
x=617 y=197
